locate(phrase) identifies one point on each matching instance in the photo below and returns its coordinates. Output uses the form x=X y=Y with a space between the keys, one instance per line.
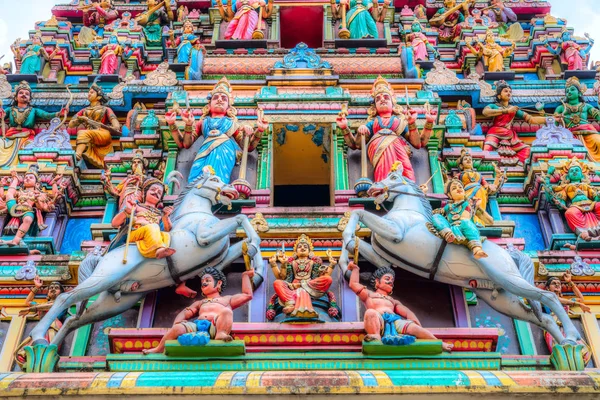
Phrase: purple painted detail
x=558 y=226
x=349 y=303
x=147 y=314
x=545 y=227
x=461 y=316
x=258 y=305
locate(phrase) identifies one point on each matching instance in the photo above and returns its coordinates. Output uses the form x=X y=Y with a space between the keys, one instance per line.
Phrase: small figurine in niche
x=214 y=314
x=419 y=42
x=26 y=204
x=190 y=50
x=505 y=17
x=386 y=318
x=54 y=290
x=95 y=17
x=110 y=54
x=493 y=54
x=454 y=222
x=151 y=240
x=571 y=53
x=31 y=60
x=301 y=278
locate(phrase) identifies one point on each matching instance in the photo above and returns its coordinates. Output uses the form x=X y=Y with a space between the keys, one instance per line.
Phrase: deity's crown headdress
x=382 y=86
x=463 y=153
x=303 y=239
x=23 y=86
x=574 y=81
x=33 y=170
x=397 y=167
x=574 y=162
x=222 y=86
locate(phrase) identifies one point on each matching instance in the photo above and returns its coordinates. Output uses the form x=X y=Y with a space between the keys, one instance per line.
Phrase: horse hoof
x=252 y=250
x=567 y=341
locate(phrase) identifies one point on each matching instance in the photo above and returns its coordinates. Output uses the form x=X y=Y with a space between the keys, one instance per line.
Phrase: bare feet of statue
x=289 y=308
x=449 y=237
x=372 y=338
x=154 y=350
x=447 y=347
x=185 y=291
x=164 y=252
x=223 y=336
x=479 y=253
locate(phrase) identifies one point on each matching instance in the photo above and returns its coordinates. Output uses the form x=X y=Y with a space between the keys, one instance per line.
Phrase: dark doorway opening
x=302 y=196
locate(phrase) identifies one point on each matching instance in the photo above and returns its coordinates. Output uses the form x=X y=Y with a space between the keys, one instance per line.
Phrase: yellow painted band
x=130 y=379
x=475 y=378
x=504 y=378
x=355 y=379
x=224 y=379
x=382 y=379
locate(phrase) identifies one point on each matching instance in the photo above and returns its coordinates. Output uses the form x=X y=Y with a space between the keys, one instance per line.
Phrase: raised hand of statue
x=513 y=109
x=167 y=211
x=171 y=117
x=363 y=130
x=105 y=176
x=281 y=257
x=411 y=116
x=332 y=260
x=352 y=266
x=56 y=179
x=567 y=276
x=248 y=131
x=187 y=116
x=261 y=123
x=342 y=122
x=129 y=206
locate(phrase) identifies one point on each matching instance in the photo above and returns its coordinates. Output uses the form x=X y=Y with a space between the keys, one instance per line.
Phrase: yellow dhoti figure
x=149 y=238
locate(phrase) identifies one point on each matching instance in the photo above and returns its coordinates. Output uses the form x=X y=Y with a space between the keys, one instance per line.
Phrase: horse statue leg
x=222 y=228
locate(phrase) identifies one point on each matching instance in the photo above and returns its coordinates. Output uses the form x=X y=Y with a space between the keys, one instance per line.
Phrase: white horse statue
x=402 y=238
x=200 y=240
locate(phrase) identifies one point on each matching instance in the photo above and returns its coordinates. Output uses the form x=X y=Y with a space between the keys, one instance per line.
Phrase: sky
x=17 y=17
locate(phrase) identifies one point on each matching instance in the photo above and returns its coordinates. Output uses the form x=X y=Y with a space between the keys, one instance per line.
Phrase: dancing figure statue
x=123 y=276
x=503 y=279
x=31 y=59
x=492 y=53
x=153 y=19
x=572 y=54
x=245 y=17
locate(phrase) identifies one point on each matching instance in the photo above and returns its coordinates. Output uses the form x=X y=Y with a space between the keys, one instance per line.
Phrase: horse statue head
x=210 y=187
x=392 y=186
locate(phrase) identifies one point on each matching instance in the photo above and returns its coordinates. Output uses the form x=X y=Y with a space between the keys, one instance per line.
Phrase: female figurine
x=448 y=19
x=502 y=15
x=362 y=16
x=153 y=20
x=476 y=187
x=189 y=51
x=389 y=133
x=419 y=42
x=570 y=52
x=493 y=54
x=502 y=137
x=577 y=115
x=31 y=60
x=574 y=195
x=223 y=134
x=95 y=141
x=110 y=54
x=243 y=17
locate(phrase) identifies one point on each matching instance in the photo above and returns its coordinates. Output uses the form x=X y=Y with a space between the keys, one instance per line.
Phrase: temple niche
x=367 y=196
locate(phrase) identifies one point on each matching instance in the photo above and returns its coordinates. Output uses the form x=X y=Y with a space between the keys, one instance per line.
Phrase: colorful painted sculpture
x=300 y=279
x=362 y=17
x=419 y=42
x=94 y=142
x=121 y=280
x=493 y=54
x=389 y=132
x=476 y=187
x=22 y=118
x=554 y=285
x=213 y=315
x=145 y=229
x=578 y=115
x=454 y=222
x=223 y=135
x=190 y=51
x=31 y=59
x=574 y=194
x=244 y=17
x=571 y=53
x=393 y=240
x=501 y=137
x=504 y=16
x=448 y=19
x=26 y=202
x=129 y=190
x=387 y=319
x=110 y=54
x=153 y=19
x=95 y=17
x=54 y=290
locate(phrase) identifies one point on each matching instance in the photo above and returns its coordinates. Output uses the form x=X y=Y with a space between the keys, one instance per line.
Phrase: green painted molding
x=265 y=150
x=525 y=338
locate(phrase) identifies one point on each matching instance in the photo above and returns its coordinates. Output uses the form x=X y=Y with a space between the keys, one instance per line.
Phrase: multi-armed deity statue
x=572 y=54
x=223 y=134
x=300 y=279
x=493 y=54
x=190 y=50
x=245 y=17
x=389 y=133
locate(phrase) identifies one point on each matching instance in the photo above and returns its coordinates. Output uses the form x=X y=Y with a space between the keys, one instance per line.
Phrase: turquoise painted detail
x=156 y=379
x=368 y=378
x=431 y=378
x=116 y=379
x=490 y=378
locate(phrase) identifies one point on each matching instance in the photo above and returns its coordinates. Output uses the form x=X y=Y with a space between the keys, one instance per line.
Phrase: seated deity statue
x=31 y=59
x=572 y=54
x=449 y=18
x=387 y=319
x=454 y=222
x=419 y=42
x=300 y=279
x=492 y=53
x=146 y=232
x=213 y=316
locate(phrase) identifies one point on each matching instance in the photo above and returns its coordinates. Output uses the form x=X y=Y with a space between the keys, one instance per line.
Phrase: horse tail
x=526 y=268
x=86 y=269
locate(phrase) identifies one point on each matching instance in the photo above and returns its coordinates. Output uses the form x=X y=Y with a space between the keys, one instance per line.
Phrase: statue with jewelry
x=387 y=319
x=245 y=17
x=110 y=54
x=579 y=115
x=26 y=201
x=492 y=53
x=100 y=123
x=476 y=187
x=502 y=137
x=506 y=19
x=570 y=190
x=31 y=59
x=359 y=18
x=449 y=18
x=129 y=189
x=419 y=43
x=223 y=134
x=212 y=316
x=96 y=16
x=455 y=221
x=389 y=133
x=572 y=55
x=301 y=278
x=190 y=50
x=152 y=20
x=22 y=118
